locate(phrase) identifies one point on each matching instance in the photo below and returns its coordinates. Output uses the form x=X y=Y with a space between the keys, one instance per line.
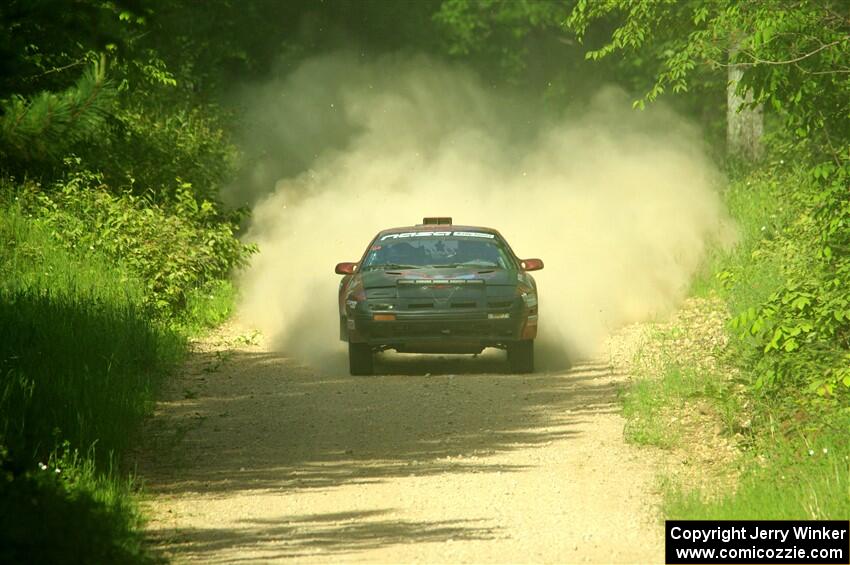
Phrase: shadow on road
x=331 y=534
x=250 y=422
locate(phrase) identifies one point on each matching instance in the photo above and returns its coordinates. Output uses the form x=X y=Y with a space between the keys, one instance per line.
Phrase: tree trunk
x=744 y=122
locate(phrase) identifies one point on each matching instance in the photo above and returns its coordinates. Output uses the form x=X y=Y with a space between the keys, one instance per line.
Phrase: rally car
x=438 y=288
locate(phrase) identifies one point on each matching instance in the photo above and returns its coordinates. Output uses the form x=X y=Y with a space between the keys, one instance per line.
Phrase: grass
x=80 y=363
x=646 y=401
x=800 y=478
x=68 y=511
x=759 y=211
x=81 y=358
x=207 y=307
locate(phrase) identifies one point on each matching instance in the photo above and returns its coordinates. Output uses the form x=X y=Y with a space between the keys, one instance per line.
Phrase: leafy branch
x=49 y=123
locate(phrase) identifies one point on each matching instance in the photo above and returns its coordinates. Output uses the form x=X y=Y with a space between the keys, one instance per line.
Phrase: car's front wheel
x=360 y=360
x=521 y=356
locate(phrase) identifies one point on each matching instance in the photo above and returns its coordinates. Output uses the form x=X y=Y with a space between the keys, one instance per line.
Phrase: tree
x=744 y=118
x=532 y=44
x=502 y=30
x=793 y=56
x=45 y=125
x=45 y=44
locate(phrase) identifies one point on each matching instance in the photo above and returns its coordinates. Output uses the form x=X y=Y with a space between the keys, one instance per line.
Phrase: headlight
x=528 y=294
x=354 y=298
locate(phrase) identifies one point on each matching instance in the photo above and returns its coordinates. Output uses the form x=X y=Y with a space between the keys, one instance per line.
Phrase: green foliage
x=642 y=408
x=147 y=127
x=759 y=202
x=794 y=55
x=173 y=247
x=207 y=307
x=48 y=124
x=499 y=29
x=63 y=511
x=80 y=358
x=115 y=250
x=795 y=448
x=799 y=336
x=540 y=47
x=675 y=36
x=162 y=151
x=795 y=58
x=80 y=361
x=44 y=44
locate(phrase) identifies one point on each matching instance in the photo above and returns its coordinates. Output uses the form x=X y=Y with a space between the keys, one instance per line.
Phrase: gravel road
x=253 y=458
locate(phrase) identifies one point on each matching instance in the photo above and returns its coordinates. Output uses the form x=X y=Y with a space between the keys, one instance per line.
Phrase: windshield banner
x=438 y=234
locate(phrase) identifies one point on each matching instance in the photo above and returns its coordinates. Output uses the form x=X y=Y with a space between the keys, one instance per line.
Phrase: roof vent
x=437 y=221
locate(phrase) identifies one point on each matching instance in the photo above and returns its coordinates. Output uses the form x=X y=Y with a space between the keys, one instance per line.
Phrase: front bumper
x=442 y=331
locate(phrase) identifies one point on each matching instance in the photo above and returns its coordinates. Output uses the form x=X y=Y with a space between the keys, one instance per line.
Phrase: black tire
x=360 y=359
x=521 y=356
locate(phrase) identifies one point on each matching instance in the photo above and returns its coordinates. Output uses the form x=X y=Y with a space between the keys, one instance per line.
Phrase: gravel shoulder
x=252 y=458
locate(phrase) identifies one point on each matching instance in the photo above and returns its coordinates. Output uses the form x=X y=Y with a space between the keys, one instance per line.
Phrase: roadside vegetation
x=80 y=361
x=113 y=251
x=791 y=438
x=86 y=343
x=780 y=387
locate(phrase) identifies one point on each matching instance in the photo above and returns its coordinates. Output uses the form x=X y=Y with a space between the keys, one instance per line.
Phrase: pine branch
x=49 y=123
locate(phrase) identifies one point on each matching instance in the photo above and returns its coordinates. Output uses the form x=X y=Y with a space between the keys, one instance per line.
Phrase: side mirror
x=345 y=268
x=531 y=264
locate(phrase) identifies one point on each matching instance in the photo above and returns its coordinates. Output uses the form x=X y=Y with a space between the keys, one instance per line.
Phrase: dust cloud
x=621 y=205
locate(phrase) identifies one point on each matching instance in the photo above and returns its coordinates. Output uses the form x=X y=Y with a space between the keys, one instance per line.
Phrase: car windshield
x=415 y=250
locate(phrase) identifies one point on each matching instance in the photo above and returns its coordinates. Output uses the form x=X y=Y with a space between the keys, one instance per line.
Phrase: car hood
x=391 y=278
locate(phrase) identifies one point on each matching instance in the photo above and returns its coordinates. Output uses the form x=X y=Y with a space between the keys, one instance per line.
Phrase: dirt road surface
x=251 y=458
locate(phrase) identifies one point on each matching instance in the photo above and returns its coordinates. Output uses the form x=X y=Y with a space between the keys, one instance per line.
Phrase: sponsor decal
x=406 y=235
x=445 y=282
x=474 y=234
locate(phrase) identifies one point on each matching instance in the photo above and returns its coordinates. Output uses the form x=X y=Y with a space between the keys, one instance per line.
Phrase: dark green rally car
x=438 y=288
